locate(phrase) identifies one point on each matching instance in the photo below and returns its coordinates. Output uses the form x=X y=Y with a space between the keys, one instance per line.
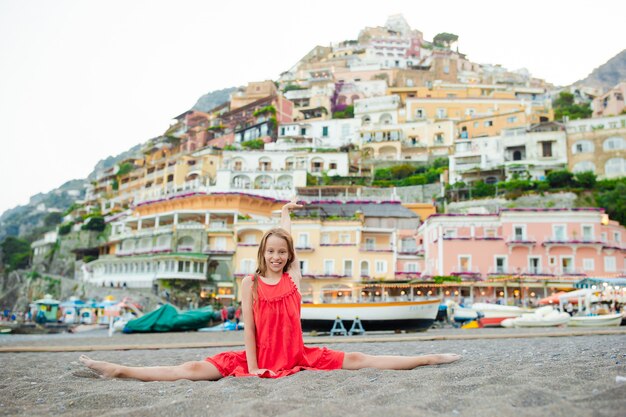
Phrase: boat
x=460 y=314
x=542 y=317
x=603 y=320
x=494 y=314
x=396 y=315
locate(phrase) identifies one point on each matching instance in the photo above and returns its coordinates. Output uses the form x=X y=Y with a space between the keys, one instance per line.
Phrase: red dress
x=279 y=344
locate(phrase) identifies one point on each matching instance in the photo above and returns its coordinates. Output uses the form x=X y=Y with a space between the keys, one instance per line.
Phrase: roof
x=588 y=282
x=349 y=209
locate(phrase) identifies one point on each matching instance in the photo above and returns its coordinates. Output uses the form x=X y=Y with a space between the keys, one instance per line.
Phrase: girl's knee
x=355 y=360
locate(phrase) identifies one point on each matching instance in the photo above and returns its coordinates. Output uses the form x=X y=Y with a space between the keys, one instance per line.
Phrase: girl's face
x=276 y=253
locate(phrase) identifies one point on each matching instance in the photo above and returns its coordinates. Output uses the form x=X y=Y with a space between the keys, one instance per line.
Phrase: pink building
x=611 y=103
x=519 y=253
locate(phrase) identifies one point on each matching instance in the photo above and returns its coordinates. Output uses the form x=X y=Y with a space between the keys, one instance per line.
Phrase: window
x=381 y=267
x=303 y=240
x=408 y=244
x=500 y=263
x=282 y=131
x=584 y=166
x=588 y=264
x=344 y=238
x=614 y=143
x=441 y=113
x=610 y=264
x=558 y=233
x=329 y=267
x=490 y=232
x=370 y=243
x=438 y=138
x=552 y=260
x=617 y=237
x=519 y=232
x=449 y=233
x=511 y=119
x=534 y=265
x=332 y=165
x=470 y=112
x=365 y=269
x=250 y=239
x=488 y=123
x=615 y=166
x=220 y=243
x=325 y=239
x=476 y=124
x=303 y=131
x=582 y=146
x=587 y=232
x=304 y=266
x=546 y=149
x=247 y=266
x=567 y=264
x=324 y=131
x=603 y=237
x=347 y=267
x=465 y=263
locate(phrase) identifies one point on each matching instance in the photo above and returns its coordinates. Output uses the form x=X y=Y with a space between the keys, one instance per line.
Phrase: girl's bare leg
x=195 y=371
x=357 y=360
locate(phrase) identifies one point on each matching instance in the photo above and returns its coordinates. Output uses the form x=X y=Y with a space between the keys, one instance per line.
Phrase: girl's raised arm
x=285 y=218
x=285 y=223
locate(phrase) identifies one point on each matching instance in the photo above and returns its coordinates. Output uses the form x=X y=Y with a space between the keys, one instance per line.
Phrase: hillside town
x=387 y=140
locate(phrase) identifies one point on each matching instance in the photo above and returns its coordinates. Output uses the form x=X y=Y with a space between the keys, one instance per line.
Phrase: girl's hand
x=262 y=371
x=293 y=204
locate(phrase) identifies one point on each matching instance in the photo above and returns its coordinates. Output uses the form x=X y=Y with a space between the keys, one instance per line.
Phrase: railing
x=521 y=240
x=375 y=248
x=461 y=270
x=551 y=240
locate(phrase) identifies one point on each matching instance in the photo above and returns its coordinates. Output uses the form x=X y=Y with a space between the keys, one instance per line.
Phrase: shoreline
x=86 y=342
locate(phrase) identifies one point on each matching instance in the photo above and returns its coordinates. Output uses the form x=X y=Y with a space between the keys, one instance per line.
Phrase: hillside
x=213 y=99
x=608 y=74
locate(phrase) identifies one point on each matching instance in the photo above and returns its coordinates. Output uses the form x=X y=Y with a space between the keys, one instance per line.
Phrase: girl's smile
x=276 y=254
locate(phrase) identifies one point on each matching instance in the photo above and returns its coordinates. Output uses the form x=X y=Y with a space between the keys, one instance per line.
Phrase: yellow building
x=480 y=110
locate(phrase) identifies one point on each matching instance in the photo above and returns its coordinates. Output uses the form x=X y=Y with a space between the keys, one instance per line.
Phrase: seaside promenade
x=517 y=372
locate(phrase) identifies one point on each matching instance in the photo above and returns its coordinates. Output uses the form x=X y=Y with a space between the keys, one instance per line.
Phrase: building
x=519 y=153
x=597 y=145
x=190 y=237
x=611 y=103
x=519 y=253
x=345 y=250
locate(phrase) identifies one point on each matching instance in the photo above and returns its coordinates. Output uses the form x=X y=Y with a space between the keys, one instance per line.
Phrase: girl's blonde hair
x=261 y=268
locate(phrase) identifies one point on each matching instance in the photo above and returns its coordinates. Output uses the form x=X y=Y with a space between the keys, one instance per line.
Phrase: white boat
x=397 y=315
x=494 y=314
x=603 y=320
x=542 y=317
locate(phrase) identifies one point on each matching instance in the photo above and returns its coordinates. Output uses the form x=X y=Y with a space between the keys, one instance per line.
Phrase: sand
x=504 y=372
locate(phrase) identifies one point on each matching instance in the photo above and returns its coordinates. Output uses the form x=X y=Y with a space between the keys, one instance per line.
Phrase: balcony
x=375 y=248
x=190 y=226
x=304 y=248
x=466 y=273
x=185 y=248
x=521 y=240
x=550 y=241
x=217 y=251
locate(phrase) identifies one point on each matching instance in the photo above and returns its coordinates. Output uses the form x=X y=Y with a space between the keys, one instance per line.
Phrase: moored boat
x=542 y=317
x=603 y=320
x=494 y=314
x=397 y=315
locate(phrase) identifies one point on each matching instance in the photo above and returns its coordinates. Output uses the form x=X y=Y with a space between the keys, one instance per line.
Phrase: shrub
x=560 y=179
x=95 y=223
x=585 y=179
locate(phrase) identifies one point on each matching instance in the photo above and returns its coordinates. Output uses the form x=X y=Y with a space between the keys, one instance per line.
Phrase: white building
x=516 y=151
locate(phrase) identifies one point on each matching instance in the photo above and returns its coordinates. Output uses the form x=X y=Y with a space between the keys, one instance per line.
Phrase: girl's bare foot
x=438 y=359
x=105 y=369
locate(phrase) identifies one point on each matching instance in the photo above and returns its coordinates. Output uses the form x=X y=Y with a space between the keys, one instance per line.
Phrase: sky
x=81 y=80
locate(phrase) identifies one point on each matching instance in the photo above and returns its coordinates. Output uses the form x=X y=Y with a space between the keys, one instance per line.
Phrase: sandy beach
x=504 y=372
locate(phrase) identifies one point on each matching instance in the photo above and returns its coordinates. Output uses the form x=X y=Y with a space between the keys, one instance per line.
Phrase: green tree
x=564 y=106
x=95 y=223
x=253 y=144
x=586 y=179
x=614 y=202
x=16 y=253
x=445 y=39
x=560 y=179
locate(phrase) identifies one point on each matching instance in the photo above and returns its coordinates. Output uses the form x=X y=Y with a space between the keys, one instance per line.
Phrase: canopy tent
x=601 y=282
x=167 y=319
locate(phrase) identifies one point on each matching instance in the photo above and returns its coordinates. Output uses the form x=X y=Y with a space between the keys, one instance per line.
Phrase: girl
x=272 y=332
